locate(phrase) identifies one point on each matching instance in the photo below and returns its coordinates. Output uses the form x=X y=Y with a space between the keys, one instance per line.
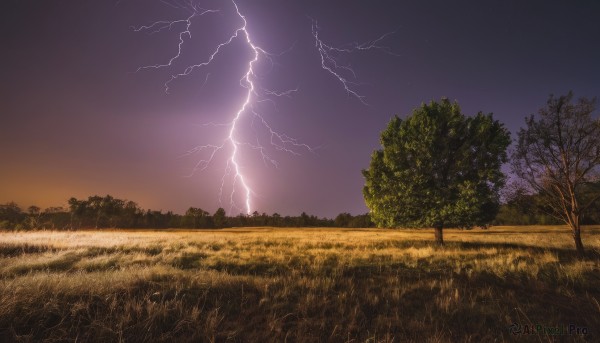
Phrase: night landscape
x=299 y=171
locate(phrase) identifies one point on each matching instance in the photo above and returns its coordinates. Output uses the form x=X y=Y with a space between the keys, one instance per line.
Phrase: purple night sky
x=77 y=120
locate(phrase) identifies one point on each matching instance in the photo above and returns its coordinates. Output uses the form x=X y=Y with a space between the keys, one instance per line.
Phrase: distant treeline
x=522 y=208
x=110 y=212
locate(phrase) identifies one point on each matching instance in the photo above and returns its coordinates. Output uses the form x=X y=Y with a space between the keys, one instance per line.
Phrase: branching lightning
x=280 y=141
x=330 y=55
x=254 y=95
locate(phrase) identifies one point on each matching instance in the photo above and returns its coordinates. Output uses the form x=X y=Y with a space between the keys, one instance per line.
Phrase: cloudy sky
x=78 y=118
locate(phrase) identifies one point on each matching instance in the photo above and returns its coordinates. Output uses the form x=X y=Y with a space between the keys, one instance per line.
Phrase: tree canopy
x=437 y=168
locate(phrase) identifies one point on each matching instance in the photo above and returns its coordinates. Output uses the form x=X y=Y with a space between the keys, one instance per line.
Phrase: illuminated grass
x=306 y=285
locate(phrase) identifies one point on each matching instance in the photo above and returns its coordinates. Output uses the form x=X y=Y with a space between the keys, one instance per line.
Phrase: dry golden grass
x=308 y=285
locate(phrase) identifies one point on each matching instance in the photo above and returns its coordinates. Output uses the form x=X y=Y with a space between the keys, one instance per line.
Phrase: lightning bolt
x=254 y=94
x=330 y=56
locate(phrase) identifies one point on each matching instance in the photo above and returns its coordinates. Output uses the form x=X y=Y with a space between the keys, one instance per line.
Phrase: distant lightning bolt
x=279 y=141
x=329 y=59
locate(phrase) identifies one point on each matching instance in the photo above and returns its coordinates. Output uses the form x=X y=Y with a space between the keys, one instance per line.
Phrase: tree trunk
x=578 y=244
x=439 y=237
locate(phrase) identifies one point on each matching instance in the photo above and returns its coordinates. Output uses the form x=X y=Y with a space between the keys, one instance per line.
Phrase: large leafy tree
x=558 y=156
x=438 y=168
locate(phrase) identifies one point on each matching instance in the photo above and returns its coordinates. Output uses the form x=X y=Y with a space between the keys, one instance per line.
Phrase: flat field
x=299 y=285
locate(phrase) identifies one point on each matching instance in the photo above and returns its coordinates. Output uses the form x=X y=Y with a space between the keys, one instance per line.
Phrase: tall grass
x=296 y=285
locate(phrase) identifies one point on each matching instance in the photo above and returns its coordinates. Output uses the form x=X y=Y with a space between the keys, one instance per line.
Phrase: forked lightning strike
x=255 y=94
x=329 y=59
x=279 y=141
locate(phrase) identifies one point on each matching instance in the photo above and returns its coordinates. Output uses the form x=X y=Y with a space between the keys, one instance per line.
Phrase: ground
x=299 y=285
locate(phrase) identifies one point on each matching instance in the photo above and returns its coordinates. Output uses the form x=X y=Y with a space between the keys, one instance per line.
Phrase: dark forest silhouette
x=110 y=212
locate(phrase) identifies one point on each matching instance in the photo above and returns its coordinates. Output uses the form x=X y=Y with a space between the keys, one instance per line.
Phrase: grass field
x=298 y=285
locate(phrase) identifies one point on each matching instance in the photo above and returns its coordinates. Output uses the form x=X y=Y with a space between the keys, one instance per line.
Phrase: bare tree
x=558 y=156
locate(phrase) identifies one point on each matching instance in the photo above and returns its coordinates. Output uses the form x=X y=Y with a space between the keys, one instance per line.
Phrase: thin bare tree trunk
x=578 y=243
x=575 y=226
x=439 y=235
